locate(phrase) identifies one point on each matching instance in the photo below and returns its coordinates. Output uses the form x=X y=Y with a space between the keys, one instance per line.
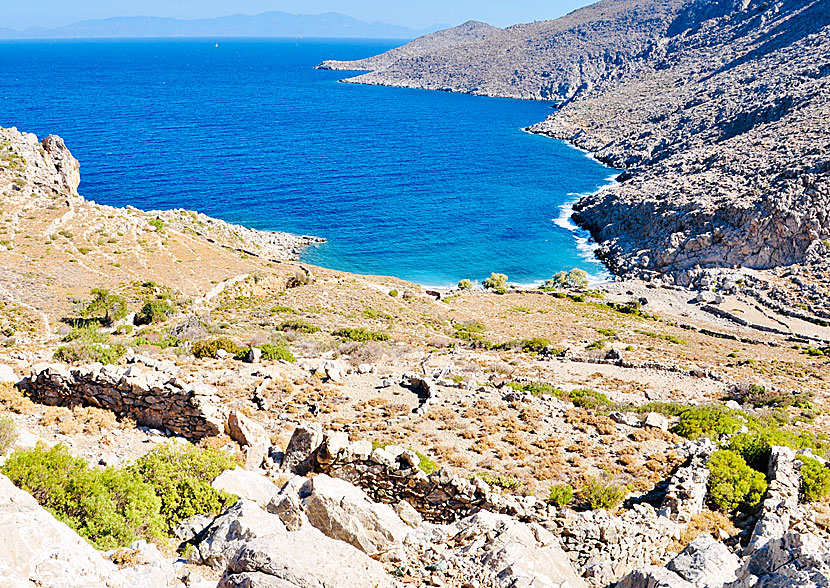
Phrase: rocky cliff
x=715 y=110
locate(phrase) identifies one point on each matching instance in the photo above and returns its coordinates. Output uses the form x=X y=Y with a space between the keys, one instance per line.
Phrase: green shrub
x=598 y=345
x=276 y=352
x=469 y=330
x=561 y=494
x=207 y=348
x=425 y=464
x=110 y=508
x=590 y=399
x=154 y=311
x=88 y=344
x=496 y=282
x=504 y=481
x=393 y=293
x=576 y=278
x=465 y=284
x=180 y=476
x=299 y=326
x=732 y=483
x=535 y=345
x=664 y=408
x=539 y=389
x=104 y=306
x=603 y=493
x=815 y=479
x=157 y=223
x=360 y=335
x=708 y=421
x=8 y=433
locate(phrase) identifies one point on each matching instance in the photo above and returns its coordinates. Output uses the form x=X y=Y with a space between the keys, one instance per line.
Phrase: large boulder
x=246 y=484
x=511 y=553
x=345 y=512
x=795 y=560
x=255 y=550
x=252 y=437
x=7 y=375
x=299 y=455
x=38 y=550
x=653 y=577
x=706 y=563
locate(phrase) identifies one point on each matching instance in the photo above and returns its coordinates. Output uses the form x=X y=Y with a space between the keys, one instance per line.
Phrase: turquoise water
x=428 y=186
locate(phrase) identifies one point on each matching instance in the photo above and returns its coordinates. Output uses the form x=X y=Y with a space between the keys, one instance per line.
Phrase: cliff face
x=716 y=109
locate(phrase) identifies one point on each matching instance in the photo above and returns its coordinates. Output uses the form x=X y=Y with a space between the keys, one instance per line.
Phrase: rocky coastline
x=710 y=108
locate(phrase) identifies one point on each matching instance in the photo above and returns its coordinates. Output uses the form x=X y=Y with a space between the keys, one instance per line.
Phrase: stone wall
x=152 y=398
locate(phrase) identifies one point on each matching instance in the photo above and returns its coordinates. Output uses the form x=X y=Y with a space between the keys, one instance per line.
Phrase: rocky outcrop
x=712 y=108
x=154 y=399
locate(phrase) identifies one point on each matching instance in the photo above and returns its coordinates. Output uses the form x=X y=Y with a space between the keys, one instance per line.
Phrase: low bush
x=603 y=493
x=535 y=345
x=465 y=284
x=754 y=446
x=154 y=311
x=299 y=326
x=109 y=508
x=496 y=282
x=471 y=330
x=360 y=335
x=591 y=399
x=708 y=421
x=815 y=479
x=180 y=475
x=88 y=344
x=504 y=481
x=732 y=483
x=561 y=495
x=105 y=307
x=207 y=348
x=8 y=433
x=274 y=352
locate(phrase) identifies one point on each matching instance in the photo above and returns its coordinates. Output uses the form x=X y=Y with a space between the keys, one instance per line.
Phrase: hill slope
x=714 y=108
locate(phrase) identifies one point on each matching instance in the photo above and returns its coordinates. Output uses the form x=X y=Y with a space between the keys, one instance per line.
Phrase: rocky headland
x=713 y=109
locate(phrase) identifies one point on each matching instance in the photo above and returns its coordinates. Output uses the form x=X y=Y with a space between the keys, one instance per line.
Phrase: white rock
x=706 y=563
x=246 y=484
x=656 y=421
x=7 y=374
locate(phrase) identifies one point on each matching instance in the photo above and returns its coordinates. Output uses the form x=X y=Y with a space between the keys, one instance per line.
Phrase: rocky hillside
x=713 y=108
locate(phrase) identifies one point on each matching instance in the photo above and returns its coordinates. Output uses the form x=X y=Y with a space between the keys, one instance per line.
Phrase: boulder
x=301 y=448
x=706 y=563
x=513 y=553
x=624 y=419
x=253 y=438
x=150 y=568
x=246 y=484
x=653 y=577
x=7 y=375
x=254 y=355
x=345 y=512
x=794 y=560
x=408 y=514
x=333 y=370
x=656 y=421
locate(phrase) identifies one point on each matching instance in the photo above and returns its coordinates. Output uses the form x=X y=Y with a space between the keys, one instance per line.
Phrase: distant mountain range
x=268 y=24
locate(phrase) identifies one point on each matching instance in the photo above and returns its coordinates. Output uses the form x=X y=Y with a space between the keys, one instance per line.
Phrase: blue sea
x=427 y=186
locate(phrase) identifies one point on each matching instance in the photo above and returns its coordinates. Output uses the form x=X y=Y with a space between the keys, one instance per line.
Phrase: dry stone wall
x=154 y=399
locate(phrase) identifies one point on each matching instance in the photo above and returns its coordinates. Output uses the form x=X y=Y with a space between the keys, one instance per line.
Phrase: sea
x=431 y=187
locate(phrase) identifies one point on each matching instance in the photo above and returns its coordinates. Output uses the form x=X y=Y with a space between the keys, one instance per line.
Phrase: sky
x=416 y=14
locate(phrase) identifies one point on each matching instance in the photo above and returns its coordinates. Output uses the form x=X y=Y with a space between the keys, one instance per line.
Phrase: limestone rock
x=706 y=563
x=7 y=374
x=653 y=577
x=246 y=484
x=656 y=420
x=301 y=448
x=344 y=512
x=252 y=437
x=408 y=514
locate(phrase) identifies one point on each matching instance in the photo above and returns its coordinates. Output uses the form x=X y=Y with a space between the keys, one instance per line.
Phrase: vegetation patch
x=603 y=493
x=815 y=479
x=732 y=483
x=561 y=495
x=360 y=335
x=298 y=326
x=207 y=348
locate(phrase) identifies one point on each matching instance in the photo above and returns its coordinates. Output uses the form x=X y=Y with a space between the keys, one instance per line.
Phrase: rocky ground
x=415 y=436
x=713 y=109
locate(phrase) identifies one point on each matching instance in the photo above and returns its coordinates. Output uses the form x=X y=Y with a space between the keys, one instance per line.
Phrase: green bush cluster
x=274 y=352
x=732 y=483
x=576 y=278
x=603 y=493
x=86 y=343
x=299 y=326
x=180 y=475
x=561 y=495
x=496 y=282
x=505 y=481
x=465 y=284
x=709 y=420
x=471 y=330
x=591 y=399
x=815 y=479
x=755 y=446
x=154 y=311
x=535 y=345
x=207 y=348
x=110 y=507
x=360 y=335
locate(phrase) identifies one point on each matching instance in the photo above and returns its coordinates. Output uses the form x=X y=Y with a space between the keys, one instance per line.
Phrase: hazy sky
x=414 y=13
